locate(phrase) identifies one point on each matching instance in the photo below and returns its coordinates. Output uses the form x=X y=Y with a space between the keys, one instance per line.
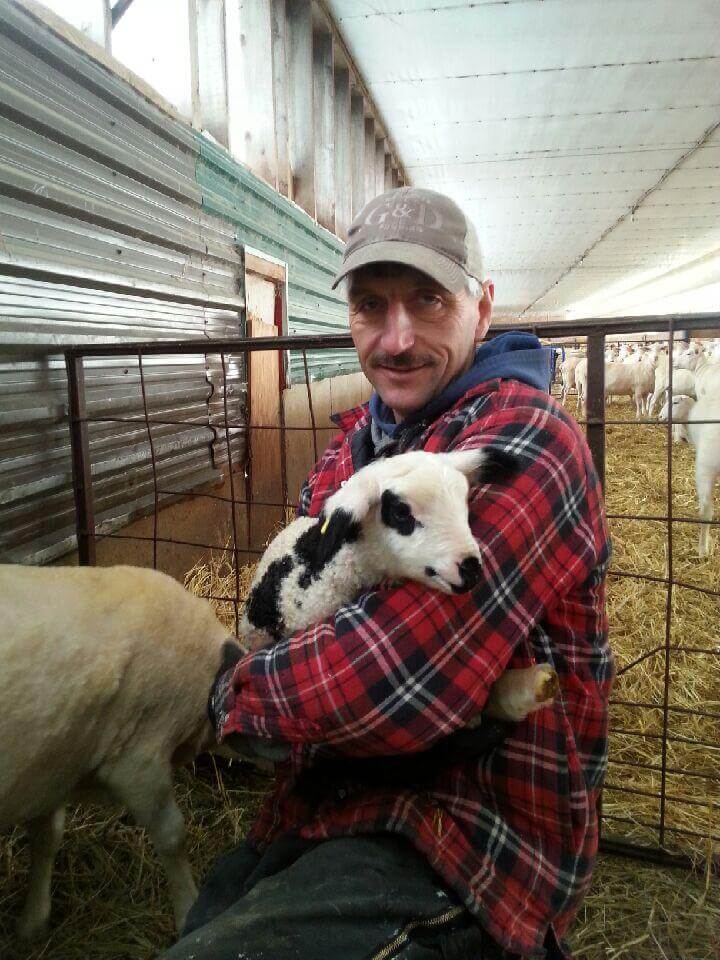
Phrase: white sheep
x=707 y=377
x=405 y=517
x=104 y=681
x=581 y=385
x=567 y=372
x=683 y=382
x=631 y=378
x=705 y=437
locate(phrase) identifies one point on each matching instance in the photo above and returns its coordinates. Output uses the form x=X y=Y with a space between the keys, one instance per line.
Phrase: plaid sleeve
x=402 y=666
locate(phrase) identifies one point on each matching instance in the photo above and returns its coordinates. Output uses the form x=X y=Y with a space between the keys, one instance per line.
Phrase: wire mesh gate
x=677 y=778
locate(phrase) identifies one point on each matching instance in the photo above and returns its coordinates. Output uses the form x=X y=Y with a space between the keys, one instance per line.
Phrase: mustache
x=401 y=361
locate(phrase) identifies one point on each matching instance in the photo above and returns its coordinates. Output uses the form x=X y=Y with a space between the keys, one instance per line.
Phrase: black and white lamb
x=405 y=517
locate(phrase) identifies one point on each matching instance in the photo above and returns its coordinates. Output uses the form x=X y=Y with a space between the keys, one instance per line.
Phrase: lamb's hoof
x=546 y=684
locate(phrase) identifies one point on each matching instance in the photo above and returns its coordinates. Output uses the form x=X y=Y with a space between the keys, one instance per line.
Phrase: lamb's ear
x=498 y=466
x=485 y=464
x=336 y=529
x=344 y=511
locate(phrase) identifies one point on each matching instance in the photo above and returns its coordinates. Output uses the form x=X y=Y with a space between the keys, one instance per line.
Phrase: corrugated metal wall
x=120 y=223
x=103 y=239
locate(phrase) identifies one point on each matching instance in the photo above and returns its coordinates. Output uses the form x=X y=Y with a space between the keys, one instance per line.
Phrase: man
x=435 y=852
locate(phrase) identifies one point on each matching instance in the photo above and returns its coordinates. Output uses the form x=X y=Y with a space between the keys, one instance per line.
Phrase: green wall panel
x=269 y=222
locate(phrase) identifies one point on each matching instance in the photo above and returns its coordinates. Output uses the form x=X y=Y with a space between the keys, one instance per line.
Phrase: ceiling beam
x=119 y=9
x=628 y=213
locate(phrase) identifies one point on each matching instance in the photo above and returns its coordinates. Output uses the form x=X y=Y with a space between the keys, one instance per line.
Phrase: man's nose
x=398 y=335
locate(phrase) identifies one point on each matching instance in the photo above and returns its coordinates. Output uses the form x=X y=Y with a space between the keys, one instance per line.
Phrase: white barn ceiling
x=583 y=137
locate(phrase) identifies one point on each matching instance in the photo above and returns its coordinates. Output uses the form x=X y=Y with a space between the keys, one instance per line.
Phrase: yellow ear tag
x=323 y=528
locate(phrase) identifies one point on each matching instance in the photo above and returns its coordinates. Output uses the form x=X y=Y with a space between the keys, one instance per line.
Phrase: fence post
x=595 y=402
x=80 y=450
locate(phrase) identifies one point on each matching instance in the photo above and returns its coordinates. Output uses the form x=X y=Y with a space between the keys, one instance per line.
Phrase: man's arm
x=399 y=668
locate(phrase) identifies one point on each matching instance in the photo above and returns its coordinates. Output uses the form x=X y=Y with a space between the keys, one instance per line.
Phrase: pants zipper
x=404 y=934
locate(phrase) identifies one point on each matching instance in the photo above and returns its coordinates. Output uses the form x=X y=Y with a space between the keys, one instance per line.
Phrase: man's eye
x=368 y=305
x=429 y=299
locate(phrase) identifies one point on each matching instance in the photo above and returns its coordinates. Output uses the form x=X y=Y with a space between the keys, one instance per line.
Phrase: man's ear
x=485 y=309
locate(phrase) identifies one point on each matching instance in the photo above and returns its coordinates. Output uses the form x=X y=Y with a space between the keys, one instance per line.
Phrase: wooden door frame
x=275 y=271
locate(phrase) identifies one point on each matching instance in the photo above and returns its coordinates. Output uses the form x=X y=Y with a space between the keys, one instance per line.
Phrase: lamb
x=405 y=517
x=104 y=680
x=705 y=437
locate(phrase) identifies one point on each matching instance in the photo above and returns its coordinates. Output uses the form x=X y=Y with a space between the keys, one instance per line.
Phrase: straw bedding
x=109 y=894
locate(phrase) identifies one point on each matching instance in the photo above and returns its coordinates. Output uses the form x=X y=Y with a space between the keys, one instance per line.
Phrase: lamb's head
x=411 y=512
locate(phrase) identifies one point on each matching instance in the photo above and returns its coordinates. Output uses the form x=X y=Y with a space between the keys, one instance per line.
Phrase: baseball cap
x=419 y=228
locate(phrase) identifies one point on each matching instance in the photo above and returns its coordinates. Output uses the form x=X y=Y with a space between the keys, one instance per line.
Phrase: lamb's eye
x=397 y=513
x=400 y=512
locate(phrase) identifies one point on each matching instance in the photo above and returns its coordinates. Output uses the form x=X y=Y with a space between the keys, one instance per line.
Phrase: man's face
x=412 y=335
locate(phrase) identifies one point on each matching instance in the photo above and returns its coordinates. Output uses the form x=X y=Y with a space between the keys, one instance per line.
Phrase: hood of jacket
x=509 y=356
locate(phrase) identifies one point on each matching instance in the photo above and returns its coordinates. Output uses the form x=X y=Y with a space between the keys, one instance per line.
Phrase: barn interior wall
x=122 y=223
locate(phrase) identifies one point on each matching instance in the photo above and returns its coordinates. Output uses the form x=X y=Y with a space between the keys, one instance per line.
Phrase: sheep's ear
x=498 y=466
x=467 y=462
x=485 y=465
x=336 y=529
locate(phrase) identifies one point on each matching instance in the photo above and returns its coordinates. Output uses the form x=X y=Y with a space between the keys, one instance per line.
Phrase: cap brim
x=442 y=269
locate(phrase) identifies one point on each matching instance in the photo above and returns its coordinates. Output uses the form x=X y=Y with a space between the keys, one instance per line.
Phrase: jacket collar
x=357 y=417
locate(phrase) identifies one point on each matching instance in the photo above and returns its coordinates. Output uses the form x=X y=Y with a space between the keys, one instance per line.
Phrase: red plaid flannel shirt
x=515 y=832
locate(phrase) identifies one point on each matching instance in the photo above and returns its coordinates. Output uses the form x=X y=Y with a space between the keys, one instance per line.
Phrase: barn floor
x=109 y=893
x=110 y=899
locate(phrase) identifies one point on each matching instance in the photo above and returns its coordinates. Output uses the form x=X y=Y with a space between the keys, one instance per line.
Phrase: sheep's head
x=681 y=407
x=412 y=513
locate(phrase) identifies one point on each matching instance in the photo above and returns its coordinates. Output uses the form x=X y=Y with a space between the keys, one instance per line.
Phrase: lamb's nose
x=469 y=571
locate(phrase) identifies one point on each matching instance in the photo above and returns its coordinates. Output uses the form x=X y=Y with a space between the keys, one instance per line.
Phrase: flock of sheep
x=125 y=657
x=642 y=372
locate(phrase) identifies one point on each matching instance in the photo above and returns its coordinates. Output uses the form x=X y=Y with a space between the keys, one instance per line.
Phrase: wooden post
x=343 y=165
x=388 y=172
x=370 y=185
x=280 y=93
x=250 y=86
x=379 y=165
x=300 y=102
x=595 y=402
x=80 y=451
x=208 y=67
x=395 y=177
x=194 y=57
x=324 y=110
x=357 y=149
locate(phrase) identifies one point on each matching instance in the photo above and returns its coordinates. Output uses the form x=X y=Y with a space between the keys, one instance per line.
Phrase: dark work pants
x=351 y=898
